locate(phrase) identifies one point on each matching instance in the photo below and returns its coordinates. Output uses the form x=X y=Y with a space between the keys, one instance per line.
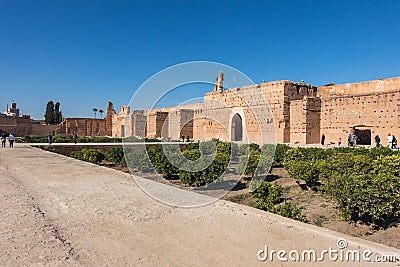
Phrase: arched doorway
x=237 y=128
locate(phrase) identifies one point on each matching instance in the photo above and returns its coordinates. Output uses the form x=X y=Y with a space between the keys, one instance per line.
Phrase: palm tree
x=101 y=113
x=94 y=110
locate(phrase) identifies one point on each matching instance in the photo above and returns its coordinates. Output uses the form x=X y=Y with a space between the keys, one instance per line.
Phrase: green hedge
x=67 y=139
x=364 y=183
x=116 y=155
x=89 y=155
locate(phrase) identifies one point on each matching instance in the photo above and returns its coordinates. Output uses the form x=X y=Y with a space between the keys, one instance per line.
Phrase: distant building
x=20 y=125
x=13 y=110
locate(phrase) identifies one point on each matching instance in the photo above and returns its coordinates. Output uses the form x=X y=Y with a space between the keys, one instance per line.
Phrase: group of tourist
x=50 y=138
x=187 y=138
x=353 y=140
x=10 y=138
x=391 y=141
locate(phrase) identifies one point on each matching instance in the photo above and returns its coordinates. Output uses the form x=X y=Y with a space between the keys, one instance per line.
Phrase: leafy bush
x=305 y=170
x=387 y=164
x=369 y=198
x=190 y=146
x=192 y=154
x=267 y=195
x=248 y=163
x=208 y=147
x=116 y=156
x=138 y=160
x=160 y=161
x=226 y=148
x=245 y=149
x=280 y=152
x=32 y=139
x=291 y=211
x=201 y=172
x=89 y=155
x=365 y=183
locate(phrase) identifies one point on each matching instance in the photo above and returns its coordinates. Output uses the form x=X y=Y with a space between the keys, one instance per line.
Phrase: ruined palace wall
x=274 y=93
x=21 y=126
x=298 y=126
x=135 y=124
x=199 y=124
x=305 y=120
x=249 y=103
x=180 y=123
x=312 y=107
x=120 y=123
x=155 y=124
x=293 y=92
x=7 y=120
x=82 y=127
x=378 y=112
x=367 y=87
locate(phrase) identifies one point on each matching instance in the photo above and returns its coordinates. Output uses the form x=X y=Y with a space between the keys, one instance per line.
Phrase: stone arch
x=237 y=128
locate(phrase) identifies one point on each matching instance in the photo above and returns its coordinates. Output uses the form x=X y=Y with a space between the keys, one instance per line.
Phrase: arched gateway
x=237 y=128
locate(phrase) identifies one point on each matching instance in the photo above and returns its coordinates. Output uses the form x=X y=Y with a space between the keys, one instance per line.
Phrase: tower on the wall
x=219 y=83
x=110 y=112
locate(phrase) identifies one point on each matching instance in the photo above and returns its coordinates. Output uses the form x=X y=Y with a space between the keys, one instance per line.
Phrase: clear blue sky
x=84 y=53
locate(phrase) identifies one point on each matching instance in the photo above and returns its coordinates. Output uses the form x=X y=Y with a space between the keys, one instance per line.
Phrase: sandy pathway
x=60 y=211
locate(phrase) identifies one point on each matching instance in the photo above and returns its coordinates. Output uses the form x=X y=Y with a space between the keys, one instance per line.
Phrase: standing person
x=11 y=139
x=183 y=138
x=389 y=141
x=339 y=141
x=75 y=137
x=323 y=139
x=354 y=140
x=3 y=140
x=49 y=138
x=377 y=141
x=349 y=143
x=394 y=142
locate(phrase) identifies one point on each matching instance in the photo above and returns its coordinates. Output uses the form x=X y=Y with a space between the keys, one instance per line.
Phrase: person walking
x=389 y=141
x=377 y=141
x=3 y=140
x=75 y=137
x=11 y=139
x=323 y=139
x=339 y=141
x=49 y=138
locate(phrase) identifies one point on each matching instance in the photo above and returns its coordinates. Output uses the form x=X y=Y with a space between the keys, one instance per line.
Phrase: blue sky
x=84 y=53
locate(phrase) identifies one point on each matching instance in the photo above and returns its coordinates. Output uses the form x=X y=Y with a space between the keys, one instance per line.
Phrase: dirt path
x=58 y=211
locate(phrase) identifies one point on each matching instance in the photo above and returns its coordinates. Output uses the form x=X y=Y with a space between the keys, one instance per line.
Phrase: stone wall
x=279 y=111
x=180 y=124
x=138 y=123
x=377 y=112
x=305 y=120
x=21 y=126
x=82 y=127
x=118 y=122
x=155 y=125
